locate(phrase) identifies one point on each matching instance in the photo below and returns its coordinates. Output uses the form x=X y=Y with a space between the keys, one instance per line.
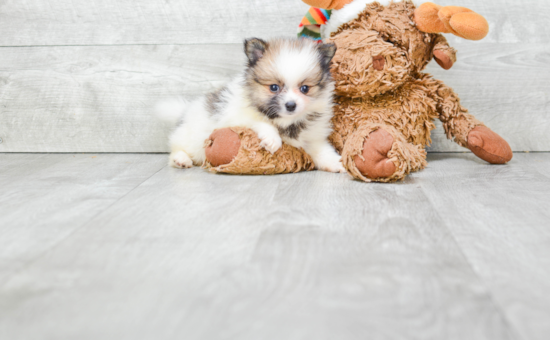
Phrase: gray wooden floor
x=124 y=247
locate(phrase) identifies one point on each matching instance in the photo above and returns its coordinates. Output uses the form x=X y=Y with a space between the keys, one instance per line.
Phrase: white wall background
x=82 y=76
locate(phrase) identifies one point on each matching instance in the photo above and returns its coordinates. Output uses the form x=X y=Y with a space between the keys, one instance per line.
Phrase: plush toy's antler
x=327 y=4
x=460 y=21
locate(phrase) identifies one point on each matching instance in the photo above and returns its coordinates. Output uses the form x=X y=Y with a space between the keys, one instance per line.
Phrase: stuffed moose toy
x=385 y=104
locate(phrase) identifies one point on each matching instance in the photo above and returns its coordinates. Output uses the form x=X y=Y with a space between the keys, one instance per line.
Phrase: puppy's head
x=288 y=78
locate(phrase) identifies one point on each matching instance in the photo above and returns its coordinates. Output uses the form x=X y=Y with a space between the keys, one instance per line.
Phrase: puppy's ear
x=327 y=52
x=255 y=49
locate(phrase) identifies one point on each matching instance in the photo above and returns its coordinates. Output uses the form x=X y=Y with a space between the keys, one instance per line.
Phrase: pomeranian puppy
x=284 y=94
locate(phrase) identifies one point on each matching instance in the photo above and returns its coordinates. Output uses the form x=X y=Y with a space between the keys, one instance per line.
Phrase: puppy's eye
x=304 y=89
x=274 y=88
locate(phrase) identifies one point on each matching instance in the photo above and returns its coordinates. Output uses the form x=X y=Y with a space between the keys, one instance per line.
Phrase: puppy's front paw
x=332 y=164
x=271 y=143
x=180 y=160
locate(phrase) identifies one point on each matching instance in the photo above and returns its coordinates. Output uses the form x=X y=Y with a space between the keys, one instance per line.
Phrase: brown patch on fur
x=265 y=73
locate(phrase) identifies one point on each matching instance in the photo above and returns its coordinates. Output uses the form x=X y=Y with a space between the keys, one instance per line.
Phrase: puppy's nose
x=290 y=106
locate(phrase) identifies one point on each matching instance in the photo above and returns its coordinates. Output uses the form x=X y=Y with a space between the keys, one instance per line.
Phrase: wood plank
x=538 y=162
x=45 y=198
x=502 y=85
x=500 y=216
x=315 y=255
x=100 y=99
x=104 y=22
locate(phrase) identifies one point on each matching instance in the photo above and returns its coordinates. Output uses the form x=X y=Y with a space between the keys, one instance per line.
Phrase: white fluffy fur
x=170 y=110
x=350 y=12
x=187 y=141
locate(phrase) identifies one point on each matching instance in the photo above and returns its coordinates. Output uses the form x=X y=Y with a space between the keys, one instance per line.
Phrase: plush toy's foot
x=375 y=162
x=378 y=152
x=222 y=147
x=489 y=146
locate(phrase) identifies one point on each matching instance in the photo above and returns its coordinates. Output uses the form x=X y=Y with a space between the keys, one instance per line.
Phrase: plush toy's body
x=385 y=104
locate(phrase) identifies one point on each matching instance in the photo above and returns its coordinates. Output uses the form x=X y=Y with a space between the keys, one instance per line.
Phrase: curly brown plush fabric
x=252 y=159
x=399 y=98
x=380 y=86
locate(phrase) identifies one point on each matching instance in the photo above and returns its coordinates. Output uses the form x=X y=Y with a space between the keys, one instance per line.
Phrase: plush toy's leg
x=238 y=151
x=469 y=132
x=444 y=54
x=380 y=153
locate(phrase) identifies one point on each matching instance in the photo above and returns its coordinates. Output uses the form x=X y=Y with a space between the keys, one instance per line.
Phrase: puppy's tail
x=171 y=111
